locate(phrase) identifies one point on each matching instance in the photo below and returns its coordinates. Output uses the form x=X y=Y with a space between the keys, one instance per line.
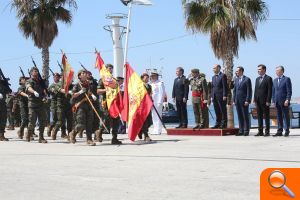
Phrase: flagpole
x=127 y=33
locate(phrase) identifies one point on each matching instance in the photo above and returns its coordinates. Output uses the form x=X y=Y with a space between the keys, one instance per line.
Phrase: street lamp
x=129 y=4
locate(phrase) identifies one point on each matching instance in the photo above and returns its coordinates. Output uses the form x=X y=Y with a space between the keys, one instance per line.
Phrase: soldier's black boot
x=115 y=140
x=64 y=134
x=21 y=132
x=28 y=136
x=2 y=138
x=72 y=136
x=49 y=130
x=41 y=138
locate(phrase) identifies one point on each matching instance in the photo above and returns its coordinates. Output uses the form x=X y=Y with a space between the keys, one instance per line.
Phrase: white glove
x=36 y=94
x=70 y=92
x=94 y=97
x=1 y=96
x=82 y=91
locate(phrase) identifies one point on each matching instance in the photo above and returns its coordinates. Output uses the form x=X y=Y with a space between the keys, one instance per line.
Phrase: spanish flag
x=68 y=73
x=137 y=102
x=113 y=94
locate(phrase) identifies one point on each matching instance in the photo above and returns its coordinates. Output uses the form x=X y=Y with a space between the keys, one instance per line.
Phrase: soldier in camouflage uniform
x=10 y=115
x=94 y=85
x=199 y=98
x=107 y=119
x=53 y=105
x=37 y=95
x=84 y=111
x=3 y=110
x=23 y=101
x=148 y=122
x=16 y=110
x=64 y=112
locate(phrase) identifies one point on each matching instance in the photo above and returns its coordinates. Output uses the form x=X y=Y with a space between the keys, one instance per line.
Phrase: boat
x=169 y=113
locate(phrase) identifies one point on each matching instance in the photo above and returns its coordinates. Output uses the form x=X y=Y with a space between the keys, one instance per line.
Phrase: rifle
x=42 y=81
x=23 y=75
x=83 y=67
x=51 y=71
x=28 y=73
x=5 y=81
x=61 y=69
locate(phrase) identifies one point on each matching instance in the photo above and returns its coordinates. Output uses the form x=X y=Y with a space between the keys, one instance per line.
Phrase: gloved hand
x=36 y=94
x=1 y=96
x=70 y=92
x=83 y=90
x=94 y=97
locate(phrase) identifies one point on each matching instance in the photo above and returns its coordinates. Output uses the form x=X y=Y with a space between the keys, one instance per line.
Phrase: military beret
x=34 y=68
x=79 y=72
x=57 y=74
x=109 y=66
x=195 y=71
x=119 y=78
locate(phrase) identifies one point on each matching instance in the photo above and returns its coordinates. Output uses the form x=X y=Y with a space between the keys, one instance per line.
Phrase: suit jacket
x=282 y=91
x=180 y=88
x=219 y=86
x=242 y=91
x=263 y=90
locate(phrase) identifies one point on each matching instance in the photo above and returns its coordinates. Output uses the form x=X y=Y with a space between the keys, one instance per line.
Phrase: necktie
x=279 y=79
x=261 y=79
x=240 y=80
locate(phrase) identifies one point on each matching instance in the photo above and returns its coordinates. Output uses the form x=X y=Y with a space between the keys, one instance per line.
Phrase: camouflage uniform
x=199 y=95
x=3 y=111
x=10 y=115
x=148 y=122
x=36 y=109
x=84 y=113
x=53 y=107
x=23 y=101
x=64 y=112
x=16 y=111
x=107 y=119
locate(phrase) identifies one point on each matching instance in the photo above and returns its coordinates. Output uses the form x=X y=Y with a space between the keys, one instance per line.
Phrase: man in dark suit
x=180 y=95
x=282 y=93
x=262 y=99
x=242 y=94
x=219 y=96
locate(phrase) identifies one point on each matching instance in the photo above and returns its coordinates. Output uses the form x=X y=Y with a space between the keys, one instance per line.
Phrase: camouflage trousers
x=3 y=116
x=10 y=117
x=84 y=120
x=64 y=115
x=37 y=113
x=24 y=117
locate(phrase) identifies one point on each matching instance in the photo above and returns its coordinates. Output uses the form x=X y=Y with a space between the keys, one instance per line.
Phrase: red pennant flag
x=68 y=73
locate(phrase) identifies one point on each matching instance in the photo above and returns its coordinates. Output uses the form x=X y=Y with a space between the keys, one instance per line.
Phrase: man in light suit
x=282 y=93
x=180 y=95
x=219 y=96
x=262 y=99
x=242 y=94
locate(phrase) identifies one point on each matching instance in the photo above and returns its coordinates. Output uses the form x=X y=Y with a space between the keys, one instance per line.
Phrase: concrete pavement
x=171 y=167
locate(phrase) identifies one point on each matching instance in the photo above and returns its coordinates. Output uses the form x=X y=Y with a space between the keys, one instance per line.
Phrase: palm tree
x=38 y=20
x=227 y=22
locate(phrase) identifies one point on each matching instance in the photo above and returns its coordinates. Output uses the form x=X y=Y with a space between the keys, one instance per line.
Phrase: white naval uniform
x=158 y=94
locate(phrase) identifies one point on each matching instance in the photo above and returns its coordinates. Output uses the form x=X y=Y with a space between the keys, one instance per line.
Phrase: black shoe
x=196 y=127
x=277 y=134
x=216 y=126
x=259 y=134
x=180 y=126
x=140 y=135
x=267 y=134
x=287 y=133
x=201 y=126
x=239 y=134
x=184 y=126
x=246 y=134
x=116 y=141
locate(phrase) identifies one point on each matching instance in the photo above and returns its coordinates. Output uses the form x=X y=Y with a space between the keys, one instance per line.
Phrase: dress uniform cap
x=195 y=71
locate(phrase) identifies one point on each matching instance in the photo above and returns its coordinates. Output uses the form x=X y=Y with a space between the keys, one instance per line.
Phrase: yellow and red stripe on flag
x=137 y=102
x=113 y=94
x=68 y=73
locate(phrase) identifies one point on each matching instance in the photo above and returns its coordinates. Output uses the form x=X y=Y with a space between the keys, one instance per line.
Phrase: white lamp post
x=129 y=3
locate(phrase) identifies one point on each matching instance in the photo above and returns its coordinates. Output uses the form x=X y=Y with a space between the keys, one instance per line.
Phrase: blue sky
x=278 y=41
